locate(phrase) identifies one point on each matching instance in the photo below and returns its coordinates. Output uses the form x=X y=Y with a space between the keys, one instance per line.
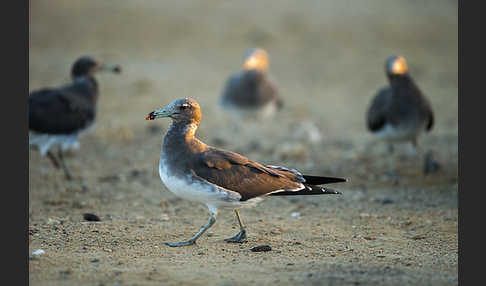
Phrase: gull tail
x=308 y=190
x=317 y=180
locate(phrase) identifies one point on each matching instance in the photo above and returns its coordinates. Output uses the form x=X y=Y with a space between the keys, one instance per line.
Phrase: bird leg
x=53 y=159
x=391 y=166
x=192 y=240
x=64 y=166
x=241 y=236
x=413 y=149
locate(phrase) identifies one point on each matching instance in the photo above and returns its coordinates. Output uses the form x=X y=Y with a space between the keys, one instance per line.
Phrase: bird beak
x=110 y=68
x=160 y=113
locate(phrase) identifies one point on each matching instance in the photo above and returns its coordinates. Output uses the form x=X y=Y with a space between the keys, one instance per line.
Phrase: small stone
x=261 y=248
x=91 y=217
x=38 y=252
x=94 y=260
x=295 y=214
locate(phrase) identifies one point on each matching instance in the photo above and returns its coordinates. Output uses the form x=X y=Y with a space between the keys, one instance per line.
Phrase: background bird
x=219 y=178
x=399 y=112
x=250 y=94
x=58 y=115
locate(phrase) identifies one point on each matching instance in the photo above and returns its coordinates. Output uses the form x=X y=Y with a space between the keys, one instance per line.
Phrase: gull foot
x=182 y=243
x=239 y=238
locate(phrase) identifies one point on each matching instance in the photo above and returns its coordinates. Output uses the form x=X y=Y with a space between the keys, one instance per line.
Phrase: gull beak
x=110 y=68
x=160 y=113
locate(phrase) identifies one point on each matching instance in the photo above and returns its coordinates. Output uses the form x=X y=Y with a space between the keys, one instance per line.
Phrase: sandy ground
x=327 y=58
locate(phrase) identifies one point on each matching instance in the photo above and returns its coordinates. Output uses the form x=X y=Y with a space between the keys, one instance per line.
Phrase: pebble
x=91 y=217
x=95 y=260
x=38 y=252
x=295 y=214
x=261 y=248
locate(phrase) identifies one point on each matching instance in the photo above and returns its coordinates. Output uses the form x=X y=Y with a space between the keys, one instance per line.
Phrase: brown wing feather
x=236 y=173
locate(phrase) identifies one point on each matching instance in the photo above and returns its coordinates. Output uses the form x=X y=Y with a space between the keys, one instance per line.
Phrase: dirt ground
x=327 y=58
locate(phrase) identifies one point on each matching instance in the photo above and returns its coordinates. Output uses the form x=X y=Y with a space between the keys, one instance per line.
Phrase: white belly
x=389 y=133
x=201 y=191
x=45 y=141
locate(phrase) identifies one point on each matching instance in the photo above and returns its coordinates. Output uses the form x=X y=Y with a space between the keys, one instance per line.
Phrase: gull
x=218 y=178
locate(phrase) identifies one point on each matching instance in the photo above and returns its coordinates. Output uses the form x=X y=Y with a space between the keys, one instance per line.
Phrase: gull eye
x=184 y=106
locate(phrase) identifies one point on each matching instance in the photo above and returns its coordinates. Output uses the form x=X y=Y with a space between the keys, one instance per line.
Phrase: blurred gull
x=250 y=94
x=58 y=115
x=399 y=112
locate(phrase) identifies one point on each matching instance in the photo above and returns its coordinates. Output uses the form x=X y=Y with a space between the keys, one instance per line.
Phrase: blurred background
x=326 y=57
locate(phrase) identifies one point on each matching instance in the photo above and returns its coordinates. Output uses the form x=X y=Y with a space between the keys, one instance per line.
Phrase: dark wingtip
x=332 y=192
x=318 y=180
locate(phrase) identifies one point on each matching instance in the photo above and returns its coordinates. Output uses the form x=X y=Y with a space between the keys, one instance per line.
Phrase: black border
x=15 y=209
x=471 y=48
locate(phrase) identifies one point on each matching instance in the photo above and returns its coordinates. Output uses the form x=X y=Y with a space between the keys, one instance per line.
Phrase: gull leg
x=64 y=166
x=241 y=236
x=53 y=159
x=414 y=150
x=192 y=240
x=391 y=166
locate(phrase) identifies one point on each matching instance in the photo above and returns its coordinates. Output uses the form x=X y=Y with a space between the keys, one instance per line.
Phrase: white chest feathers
x=190 y=188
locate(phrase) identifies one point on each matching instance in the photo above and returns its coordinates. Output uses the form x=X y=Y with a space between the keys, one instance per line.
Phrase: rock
x=35 y=254
x=261 y=248
x=91 y=217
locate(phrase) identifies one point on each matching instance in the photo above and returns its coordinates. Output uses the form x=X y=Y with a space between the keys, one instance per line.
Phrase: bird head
x=396 y=65
x=87 y=66
x=180 y=110
x=256 y=59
